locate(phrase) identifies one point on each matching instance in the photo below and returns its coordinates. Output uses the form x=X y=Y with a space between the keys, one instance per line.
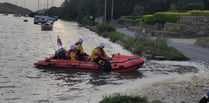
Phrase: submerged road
x=187 y=47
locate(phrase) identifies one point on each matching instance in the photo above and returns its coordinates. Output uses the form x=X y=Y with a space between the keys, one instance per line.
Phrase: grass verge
x=126 y=99
x=156 y=48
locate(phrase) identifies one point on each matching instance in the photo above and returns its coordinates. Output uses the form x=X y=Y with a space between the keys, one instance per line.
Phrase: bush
x=193 y=6
x=86 y=21
x=172 y=17
x=131 y=17
x=126 y=21
x=168 y=16
x=123 y=99
x=159 y=47
x=204 y=38
x=169 y=53
x=105 y=28
x=149 y=19
x=199 y=12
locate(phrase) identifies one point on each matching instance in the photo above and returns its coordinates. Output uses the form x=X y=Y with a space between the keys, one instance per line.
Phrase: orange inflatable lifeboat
x=120 y=63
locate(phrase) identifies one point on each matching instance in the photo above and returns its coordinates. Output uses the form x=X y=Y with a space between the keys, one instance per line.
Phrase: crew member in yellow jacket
x=99 y=56
x=72 y=53
x=80 y=51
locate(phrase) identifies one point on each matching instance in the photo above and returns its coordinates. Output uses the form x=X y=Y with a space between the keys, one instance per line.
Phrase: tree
x=206 y=3
x=138 y=10
x=77 y=9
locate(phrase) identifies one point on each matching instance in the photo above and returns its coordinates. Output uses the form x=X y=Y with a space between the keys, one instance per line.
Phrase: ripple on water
x=8 y=86
x=167 y=68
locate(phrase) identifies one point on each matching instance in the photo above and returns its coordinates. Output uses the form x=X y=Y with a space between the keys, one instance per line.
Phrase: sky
x=33 y=4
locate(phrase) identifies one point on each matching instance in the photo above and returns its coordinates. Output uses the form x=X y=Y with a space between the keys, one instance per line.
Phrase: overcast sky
x=33 y=4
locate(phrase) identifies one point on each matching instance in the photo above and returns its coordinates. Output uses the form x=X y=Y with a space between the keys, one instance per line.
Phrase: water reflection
x=72 y=78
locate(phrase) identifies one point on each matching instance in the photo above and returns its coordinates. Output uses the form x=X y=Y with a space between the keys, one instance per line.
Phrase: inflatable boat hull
x=120 y=63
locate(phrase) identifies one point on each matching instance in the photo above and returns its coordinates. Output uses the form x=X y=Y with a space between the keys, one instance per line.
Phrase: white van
x=40 y=19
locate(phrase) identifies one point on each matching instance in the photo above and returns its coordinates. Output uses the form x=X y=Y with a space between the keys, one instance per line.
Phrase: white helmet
x=80 y=40
x=101 y=45
x=73 y=47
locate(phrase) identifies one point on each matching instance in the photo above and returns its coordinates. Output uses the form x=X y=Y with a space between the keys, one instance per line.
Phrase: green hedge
x=105 y=28
x=126 y=21
x=204 y=38
x=199 y=13
x=168 y=16
x=129 y=20
x=172 y=16
x=131 y=17
x=149 y=19
x=123 y=99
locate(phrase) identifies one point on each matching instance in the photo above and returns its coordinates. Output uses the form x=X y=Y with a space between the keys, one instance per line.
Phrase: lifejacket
x=98 y=52
x=72 y=55
x=101 y=52
x=79 y=48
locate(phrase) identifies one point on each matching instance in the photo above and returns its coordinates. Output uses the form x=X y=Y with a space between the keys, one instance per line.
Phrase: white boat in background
x=40 y=19
x=5 y=14
x=17 y=15
x=47 y=26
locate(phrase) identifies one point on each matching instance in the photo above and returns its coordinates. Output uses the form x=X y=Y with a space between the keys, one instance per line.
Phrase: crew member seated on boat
x=80 y=51
x=60 y=53
x=72 y=53
x=99 y=56
x=205 y=98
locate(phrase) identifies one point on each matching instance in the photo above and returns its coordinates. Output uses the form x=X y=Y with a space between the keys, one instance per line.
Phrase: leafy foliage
x=77 y=9
x=149 y=19
x=87 y=21
x=157 y=47
x=172 y=17
x=105 y=28
x=123 y=99
x=204 y=38
x=199 y=12
x=168 y=16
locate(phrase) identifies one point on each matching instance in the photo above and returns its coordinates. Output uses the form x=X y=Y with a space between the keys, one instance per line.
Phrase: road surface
x=187 y=47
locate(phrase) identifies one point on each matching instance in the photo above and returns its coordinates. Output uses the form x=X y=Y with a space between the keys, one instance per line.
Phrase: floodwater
x=23 y=43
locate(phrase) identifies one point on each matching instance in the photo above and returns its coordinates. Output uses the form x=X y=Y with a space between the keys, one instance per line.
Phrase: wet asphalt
x=190 y=50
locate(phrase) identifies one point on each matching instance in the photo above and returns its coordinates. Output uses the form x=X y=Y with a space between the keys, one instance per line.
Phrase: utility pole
x=105 y=11
x=47 y=3
x=52 y=3
x=24 y=4
x=112 y=9
x=47 y=7
x=38 y=4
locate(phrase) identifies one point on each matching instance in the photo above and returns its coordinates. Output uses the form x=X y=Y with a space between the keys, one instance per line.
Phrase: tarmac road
x=187 y=47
